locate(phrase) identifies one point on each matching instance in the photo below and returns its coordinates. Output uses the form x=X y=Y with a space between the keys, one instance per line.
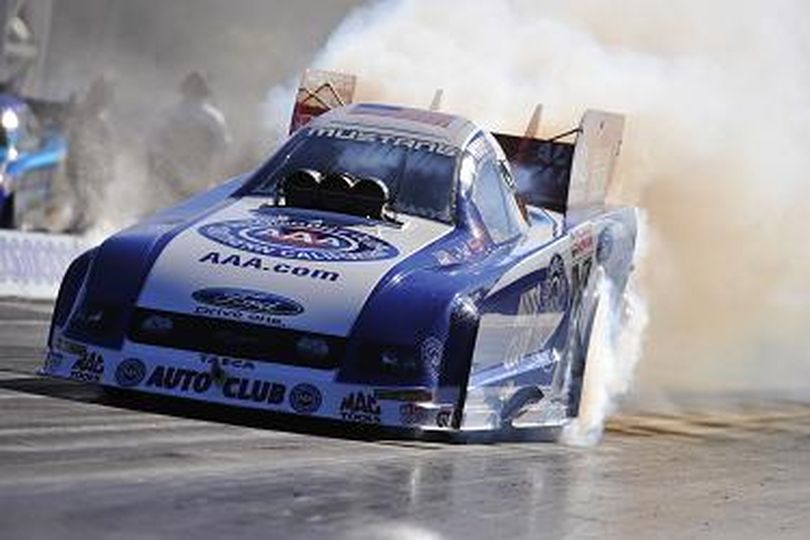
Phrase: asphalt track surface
x=75 y=464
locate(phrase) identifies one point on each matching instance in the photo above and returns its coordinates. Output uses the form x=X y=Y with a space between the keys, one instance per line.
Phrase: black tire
x=581 y=340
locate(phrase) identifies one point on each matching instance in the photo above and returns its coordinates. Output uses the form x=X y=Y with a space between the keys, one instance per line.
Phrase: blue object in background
x=30 y=158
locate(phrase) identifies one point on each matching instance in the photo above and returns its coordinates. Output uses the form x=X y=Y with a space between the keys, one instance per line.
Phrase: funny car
x=387 y=265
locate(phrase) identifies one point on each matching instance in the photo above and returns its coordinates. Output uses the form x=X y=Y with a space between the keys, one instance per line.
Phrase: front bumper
x=246 y=383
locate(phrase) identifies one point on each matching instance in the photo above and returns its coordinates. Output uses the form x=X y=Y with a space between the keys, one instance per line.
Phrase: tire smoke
x=715 y=95
x=614 y=351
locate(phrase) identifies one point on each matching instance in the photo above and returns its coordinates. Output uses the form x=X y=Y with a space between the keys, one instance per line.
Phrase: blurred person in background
x=91 y=156
x=189 y=145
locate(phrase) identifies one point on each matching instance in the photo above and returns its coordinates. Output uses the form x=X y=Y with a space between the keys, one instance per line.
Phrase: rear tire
x=581 y=346
x=589 y=403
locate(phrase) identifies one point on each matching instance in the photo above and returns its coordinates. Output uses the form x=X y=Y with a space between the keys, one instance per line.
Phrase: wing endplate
x=595 y=152
x=565 y=177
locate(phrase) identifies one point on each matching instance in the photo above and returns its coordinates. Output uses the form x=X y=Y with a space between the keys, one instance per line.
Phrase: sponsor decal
x=446 y=258
x=476 y=244
x=247 y=300
x=411 y=414
x=258 y=263
x=444 y=417
x=221 y=313
x=243 y=304
x=551 y=294
x=604 y=246
x=288 y=237
x=200 y=382
x=222 y=361
x=582 y=243
x=432 y=351
x=305 y=398
x=385 y=139
x=130 y=373
x=88 y=368
x=405 y=394
x=360 y=407
x=184 y=380
x=555 y=287
x=459 y=252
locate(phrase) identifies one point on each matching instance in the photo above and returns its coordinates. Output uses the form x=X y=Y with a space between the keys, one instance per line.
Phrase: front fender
x=69 y=290
x=418 y=314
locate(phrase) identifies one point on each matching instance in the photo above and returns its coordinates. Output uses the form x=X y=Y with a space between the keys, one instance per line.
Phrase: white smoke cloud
x=614 y=350
x=716 y=95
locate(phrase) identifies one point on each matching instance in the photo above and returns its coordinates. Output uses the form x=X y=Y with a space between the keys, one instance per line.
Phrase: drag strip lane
x=77 y=464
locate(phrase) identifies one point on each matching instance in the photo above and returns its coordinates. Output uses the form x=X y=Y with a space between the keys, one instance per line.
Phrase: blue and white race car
x=387 y=266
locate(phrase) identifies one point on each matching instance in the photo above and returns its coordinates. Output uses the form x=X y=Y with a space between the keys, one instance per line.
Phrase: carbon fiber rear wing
x=567 y=177
x=321 y=91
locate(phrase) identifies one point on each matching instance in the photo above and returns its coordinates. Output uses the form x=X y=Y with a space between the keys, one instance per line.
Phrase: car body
x=459 y=307
x=31 y=158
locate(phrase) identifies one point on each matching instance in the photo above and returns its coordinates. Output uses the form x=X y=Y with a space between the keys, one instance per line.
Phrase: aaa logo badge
x=290 y=237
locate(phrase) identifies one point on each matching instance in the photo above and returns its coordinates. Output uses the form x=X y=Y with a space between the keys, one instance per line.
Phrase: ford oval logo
x=291 y=237
x=248 y=301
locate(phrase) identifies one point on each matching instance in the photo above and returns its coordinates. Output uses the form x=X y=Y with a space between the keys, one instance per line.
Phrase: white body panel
x=330 y=306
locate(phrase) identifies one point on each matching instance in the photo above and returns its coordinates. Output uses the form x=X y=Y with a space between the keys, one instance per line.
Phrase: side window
x=515 y=210
x=492 y=198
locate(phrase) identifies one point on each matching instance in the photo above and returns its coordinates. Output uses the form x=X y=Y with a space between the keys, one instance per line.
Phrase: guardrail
x=32 y=264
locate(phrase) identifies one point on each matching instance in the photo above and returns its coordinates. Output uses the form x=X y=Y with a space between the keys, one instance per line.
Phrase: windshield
x=419 y=173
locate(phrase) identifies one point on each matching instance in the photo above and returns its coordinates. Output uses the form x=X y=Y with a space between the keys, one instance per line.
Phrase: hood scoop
x=336 y=192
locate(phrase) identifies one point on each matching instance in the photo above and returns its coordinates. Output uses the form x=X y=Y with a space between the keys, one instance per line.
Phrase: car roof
x=418 y=123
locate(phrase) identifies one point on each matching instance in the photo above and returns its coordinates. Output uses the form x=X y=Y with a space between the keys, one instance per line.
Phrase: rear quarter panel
x=530 y=320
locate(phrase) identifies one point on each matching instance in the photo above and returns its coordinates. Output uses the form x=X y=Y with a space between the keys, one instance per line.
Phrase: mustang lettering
x=386 y=139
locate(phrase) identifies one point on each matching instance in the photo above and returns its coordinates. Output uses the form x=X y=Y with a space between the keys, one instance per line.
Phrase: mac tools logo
x=248 y=301
x=289 y=237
